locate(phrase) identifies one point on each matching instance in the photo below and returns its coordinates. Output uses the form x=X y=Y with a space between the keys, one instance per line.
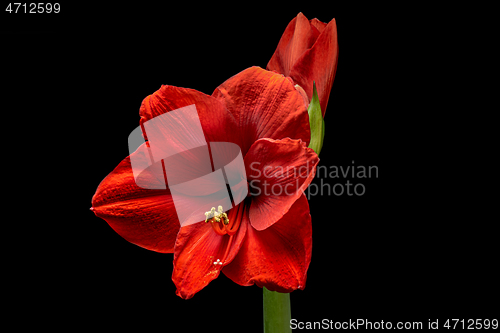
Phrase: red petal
x=143 y=217
x=265 y=105
x=318 y=24
x=217 y=123
x=278 y=172
x=196 y=249
x=297 y=38
x=276 y=258
x=318 y=64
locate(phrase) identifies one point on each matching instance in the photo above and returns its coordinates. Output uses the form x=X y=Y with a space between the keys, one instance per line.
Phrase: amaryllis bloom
x=265 y=239
x=307 y=52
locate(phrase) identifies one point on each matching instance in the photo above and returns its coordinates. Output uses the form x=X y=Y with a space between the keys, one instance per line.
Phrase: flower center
x=221 y=223
x=217 y=216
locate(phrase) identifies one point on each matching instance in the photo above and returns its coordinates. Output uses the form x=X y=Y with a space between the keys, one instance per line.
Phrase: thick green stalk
x=277 y=312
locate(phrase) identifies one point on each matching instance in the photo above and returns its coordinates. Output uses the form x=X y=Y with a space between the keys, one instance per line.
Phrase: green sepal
x=316 y=122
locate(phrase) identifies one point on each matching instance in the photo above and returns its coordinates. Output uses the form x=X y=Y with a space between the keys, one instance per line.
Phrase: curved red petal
x=296 y=39
x=278 y=171
x=144 y=217
x=217 y=123
x=320 y=26
x=265 y=105
x=319 y=64
x=196 y=249
x=277 y=63
x=276 y=258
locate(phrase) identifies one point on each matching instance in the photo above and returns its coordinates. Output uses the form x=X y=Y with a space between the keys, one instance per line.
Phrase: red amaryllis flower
x=307 y=52
x=265 y=239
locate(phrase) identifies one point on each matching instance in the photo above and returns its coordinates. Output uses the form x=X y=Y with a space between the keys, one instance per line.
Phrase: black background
x=72 y=92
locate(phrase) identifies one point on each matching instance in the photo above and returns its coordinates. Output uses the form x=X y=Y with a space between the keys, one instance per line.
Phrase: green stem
x=277 y=313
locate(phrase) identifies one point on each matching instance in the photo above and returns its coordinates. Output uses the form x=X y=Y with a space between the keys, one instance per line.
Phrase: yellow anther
x=217 y=216
x=226 y=220
x=210 y=214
